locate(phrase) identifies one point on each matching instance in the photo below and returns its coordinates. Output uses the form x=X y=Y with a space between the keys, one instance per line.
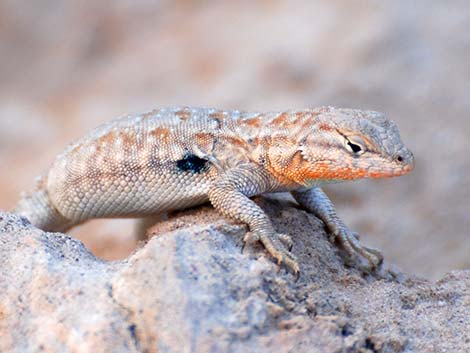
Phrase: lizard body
x=173 y=158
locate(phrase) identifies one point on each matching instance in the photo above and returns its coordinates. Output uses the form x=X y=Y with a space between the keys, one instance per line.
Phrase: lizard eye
x=355 y=146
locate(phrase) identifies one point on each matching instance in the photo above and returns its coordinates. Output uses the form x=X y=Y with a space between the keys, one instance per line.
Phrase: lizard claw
x=286 y=240
x=274 y=245
x=355 y=235
x=278 y=246
x=366 y=258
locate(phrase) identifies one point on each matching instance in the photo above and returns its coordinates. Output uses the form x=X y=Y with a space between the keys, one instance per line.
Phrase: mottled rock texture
x=69 y=66
x=191 y=289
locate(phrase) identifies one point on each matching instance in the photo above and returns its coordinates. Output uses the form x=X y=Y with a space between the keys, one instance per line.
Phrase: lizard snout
x=406 y=159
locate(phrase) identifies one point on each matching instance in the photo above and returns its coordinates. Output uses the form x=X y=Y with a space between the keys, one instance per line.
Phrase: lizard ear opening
x=284 y=156
x=288 y=164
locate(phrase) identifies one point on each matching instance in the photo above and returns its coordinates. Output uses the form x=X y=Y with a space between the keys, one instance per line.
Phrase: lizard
x=178 y=157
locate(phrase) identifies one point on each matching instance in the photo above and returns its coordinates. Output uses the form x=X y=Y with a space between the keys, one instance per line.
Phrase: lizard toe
x=286 y=240
x=292 y=264
x=365 y=258
x=274 y=244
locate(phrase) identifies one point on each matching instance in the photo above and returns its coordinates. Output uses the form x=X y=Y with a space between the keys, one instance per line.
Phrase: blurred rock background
x=68 y=66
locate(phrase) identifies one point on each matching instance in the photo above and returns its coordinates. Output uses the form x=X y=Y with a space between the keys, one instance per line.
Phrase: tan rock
x=190 y=289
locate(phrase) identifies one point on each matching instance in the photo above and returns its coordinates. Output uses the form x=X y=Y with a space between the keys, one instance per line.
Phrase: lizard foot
x=349 y=242
x=276 y=244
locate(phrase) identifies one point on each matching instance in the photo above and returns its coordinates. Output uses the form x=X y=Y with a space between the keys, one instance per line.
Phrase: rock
x=191 y=289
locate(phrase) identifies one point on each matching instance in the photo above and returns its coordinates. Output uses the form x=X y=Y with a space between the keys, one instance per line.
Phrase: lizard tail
x=38 y=208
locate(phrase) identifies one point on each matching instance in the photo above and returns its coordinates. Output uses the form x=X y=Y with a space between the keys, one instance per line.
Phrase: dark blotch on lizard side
x=192 y=163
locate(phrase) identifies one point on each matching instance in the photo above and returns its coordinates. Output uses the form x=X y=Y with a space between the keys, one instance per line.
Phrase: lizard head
x=331 y=145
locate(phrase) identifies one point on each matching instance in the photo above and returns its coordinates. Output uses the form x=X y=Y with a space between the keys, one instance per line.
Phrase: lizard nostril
x=399 y=158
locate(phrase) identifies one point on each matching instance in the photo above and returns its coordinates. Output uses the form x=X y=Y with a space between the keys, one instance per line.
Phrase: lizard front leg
x=315 y=201
x=230 y=195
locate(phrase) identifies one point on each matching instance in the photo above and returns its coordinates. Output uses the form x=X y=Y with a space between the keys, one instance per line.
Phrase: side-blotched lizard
x=173 y=158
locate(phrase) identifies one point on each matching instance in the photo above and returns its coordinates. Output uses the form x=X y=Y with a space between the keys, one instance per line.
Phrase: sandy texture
x=190 y=289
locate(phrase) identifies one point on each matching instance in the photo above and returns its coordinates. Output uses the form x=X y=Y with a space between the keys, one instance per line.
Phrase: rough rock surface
x=191 y=289
x=68 y=66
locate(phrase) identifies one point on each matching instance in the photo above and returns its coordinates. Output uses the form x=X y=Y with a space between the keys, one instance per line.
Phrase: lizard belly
x=126 y=193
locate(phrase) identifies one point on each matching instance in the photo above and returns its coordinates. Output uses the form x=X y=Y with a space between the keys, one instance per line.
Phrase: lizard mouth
x=408 y=168
x=405 y=170
x=400 y=168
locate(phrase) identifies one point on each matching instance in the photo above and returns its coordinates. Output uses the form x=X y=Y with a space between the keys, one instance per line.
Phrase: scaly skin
x=175 y=158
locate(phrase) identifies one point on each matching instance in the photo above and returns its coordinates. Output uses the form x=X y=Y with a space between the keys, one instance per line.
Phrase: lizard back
x=128 y=167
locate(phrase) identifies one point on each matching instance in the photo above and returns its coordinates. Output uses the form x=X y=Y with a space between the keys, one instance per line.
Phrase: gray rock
x=191 y=289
